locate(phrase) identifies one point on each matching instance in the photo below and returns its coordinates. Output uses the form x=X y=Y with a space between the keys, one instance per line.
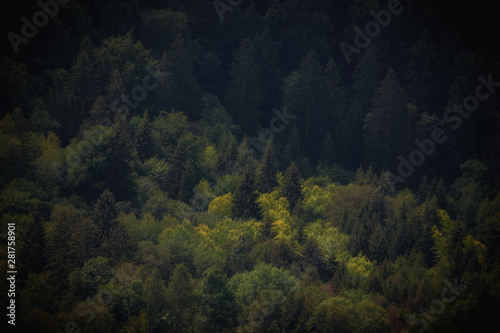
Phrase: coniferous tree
x=100 y=113
x=266 y=173
x=245 y=205
x=291 y=187
x=386 y=126
x=104 y=214
x=115 y=91
x=305 y=95
x=58 y=242
x=367 y=75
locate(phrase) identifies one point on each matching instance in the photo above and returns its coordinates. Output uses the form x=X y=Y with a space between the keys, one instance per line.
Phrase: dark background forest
x=251 y=166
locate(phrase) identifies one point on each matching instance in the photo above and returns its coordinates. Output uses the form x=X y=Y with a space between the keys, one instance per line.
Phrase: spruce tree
x=306 y=95
x=386 y=126
x=291 y=187
x=266 y=173
x=104 y=214
x=245 y=205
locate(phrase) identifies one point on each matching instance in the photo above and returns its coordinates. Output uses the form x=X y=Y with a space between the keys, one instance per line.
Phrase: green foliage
x=128 y=142
x=217 y=302
x=222 y=206
x=244 y=198
x=247 y=286
x=291 y=186
x=343 y=315
x=266 y=173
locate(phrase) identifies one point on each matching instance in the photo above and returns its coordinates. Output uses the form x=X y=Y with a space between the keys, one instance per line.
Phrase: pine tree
x=291 y=187
x=100 y=113
x=266 y=173
x=114 y=92
x=119 y=245
x=104 y=214
x=367 y=75
x=58 y=242
x=386 y=126
x=306 y=95
x=245 y=205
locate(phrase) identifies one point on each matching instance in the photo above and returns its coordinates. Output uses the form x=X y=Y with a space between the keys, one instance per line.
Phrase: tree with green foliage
x=181 y=299
x=386 y=126
x=291 y=186
x=244 y=199
x=266 y=173
x=218 y=307
x=155 y=301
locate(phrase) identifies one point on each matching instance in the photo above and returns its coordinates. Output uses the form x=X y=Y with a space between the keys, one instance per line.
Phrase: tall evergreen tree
x=291 y=187
x=245 y=205
x=306 y=95
x=58 y=242
x=104 y=214
x=100 y=113
x=386 y=126
x=367 y=75
x=266 y=173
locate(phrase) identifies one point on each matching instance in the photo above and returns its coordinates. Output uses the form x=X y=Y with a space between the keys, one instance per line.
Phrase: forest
x=249 y=166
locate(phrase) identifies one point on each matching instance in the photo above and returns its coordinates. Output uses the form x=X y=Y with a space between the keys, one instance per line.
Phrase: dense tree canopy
x=250 y=166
